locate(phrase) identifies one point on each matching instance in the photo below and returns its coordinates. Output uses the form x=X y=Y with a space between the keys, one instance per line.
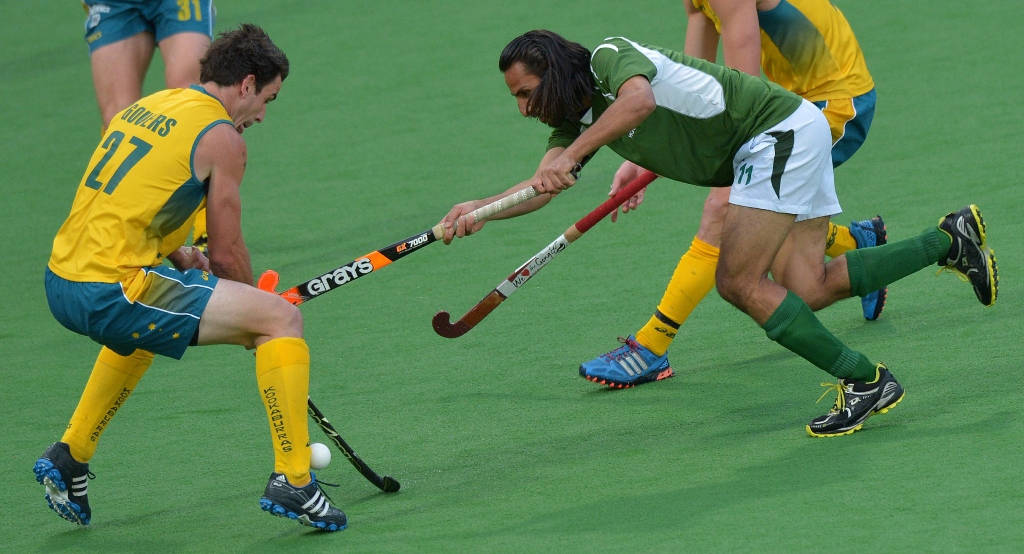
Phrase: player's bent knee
x=733 y=288
x=287 y=319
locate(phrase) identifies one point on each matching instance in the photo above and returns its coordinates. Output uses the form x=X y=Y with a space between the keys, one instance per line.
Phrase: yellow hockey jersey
x=139 y=195
x=808 y=47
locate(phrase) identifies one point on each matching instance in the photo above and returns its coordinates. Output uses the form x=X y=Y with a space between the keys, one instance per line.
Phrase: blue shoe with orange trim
x=627 y=366
x=868 y=233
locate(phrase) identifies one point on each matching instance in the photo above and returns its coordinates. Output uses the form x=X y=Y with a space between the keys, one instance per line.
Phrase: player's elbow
x=228 y=265
x=645 y=104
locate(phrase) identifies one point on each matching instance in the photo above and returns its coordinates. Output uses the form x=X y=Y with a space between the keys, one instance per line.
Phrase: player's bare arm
x=741 y=35
x=221 y=157
x=459 y=211
x=633 y=103
x=701 y=36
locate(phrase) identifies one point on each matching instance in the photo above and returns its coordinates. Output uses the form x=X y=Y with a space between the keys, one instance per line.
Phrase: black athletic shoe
x=309 y=505
x=969 y=256
x=66 y=481
x=856 y=402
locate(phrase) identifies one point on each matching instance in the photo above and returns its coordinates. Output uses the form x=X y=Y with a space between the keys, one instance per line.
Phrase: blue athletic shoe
x=868 y=233
x=309 y=505
x=627 y=366
x=66 y=481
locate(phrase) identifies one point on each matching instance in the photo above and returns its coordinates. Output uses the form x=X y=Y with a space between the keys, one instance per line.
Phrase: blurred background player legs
x=122 y=37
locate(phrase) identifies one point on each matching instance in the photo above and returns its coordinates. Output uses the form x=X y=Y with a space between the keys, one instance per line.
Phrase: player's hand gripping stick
x=442 y=320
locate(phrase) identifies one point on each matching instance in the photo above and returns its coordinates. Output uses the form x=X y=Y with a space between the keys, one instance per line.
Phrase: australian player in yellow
x=159 y=162
x=808 y=47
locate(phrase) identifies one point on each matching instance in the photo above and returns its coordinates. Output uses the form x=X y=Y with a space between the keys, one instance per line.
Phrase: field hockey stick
x=377 y=259
x=386 y=483
x=442 y=320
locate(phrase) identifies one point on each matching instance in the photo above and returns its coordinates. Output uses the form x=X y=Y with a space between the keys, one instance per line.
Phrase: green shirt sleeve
x=616 y=61
x=564 y=135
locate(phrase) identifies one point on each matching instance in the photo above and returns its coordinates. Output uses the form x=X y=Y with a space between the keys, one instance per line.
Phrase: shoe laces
x=322 y=491
x=628 y=345
x=840 y=395
x=954 y=271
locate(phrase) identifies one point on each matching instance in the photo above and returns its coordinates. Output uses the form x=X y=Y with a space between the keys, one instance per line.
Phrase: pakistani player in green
x=708 y=125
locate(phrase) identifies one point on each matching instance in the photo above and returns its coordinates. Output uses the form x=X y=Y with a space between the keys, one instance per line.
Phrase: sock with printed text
x=111 y=382
x=282 y=372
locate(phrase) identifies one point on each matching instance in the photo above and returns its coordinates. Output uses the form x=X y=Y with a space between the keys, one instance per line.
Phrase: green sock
x=873 y=268
x=794 y=326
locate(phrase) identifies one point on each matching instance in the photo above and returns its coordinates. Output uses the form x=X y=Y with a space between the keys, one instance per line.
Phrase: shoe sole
x=56 y=492
x=663 y=374
x=993 y=271
x=857 y=427
x=280 y=511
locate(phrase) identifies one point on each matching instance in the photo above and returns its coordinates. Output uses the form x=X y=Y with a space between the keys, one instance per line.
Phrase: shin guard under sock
x=692 y=280
x=282 y=372
x=112 y=380
x=794 y=326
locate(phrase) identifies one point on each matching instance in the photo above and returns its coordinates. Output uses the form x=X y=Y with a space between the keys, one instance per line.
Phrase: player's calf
x=869 y=233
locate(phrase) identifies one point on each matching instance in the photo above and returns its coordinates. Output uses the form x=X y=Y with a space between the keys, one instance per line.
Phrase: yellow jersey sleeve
x=138 y=197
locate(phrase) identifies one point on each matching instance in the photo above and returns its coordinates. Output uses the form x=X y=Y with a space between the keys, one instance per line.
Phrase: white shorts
x=788 y=168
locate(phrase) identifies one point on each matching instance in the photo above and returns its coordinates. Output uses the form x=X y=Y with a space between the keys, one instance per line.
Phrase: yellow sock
x=839 y=241
x=692 y=280
x=112 y=380
x=282 y=372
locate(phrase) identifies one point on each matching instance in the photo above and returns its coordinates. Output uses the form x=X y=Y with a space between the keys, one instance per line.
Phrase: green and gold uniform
x=808 y=47
x=134 y=206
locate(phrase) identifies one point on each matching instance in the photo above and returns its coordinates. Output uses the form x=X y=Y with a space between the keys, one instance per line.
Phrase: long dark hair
x=244 y=51
x=564 y=70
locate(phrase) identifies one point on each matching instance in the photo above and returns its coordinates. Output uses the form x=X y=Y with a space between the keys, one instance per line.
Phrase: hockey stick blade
x=442 y=320
x=442 y=323
x=386 y=483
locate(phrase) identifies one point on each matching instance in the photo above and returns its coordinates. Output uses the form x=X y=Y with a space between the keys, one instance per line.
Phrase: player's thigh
x=751 y=239
x=181 y=53
x=713 y=216
x=800 y=265
x=240 y=314
x=118 y=70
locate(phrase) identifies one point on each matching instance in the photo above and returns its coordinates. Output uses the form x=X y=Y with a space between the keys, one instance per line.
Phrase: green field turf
x=393 y=112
